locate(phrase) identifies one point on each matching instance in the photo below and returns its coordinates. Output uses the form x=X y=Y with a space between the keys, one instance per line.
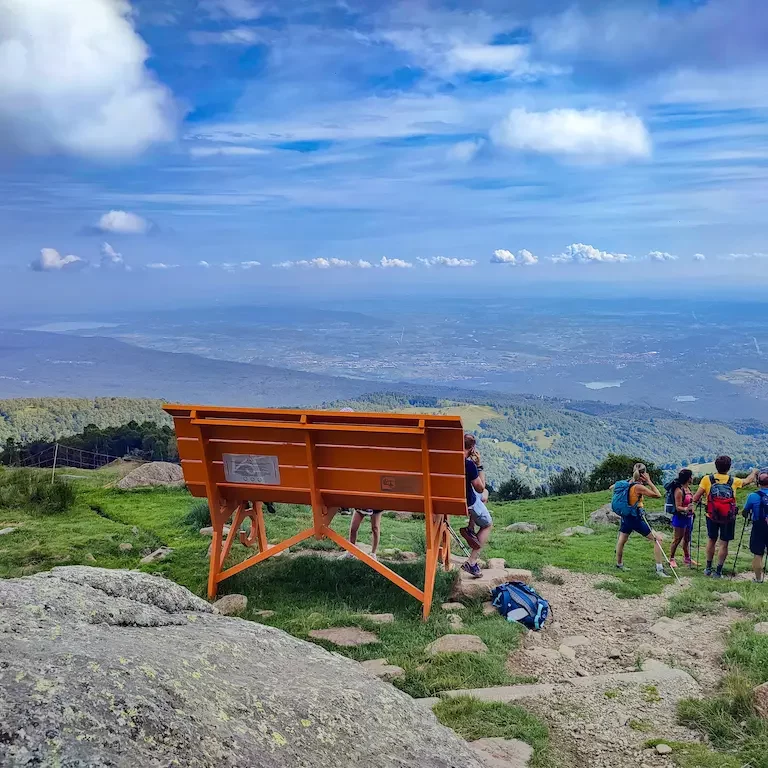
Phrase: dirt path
x=602 y=719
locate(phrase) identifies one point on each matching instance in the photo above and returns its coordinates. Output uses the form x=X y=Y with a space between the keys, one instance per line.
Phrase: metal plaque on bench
x=251 y=469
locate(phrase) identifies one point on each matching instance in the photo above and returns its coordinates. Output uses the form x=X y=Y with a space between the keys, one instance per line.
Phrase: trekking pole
x=738 y=549
x=658 y=544
x=456 y=538
x=698 y=536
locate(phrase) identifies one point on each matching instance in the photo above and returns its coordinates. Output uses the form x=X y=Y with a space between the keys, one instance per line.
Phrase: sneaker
x=717 y=574
x=622 y=567
x=348 y=556
x=663 y=575
x=759 y=581
x=472 y=570
x=470 y=537
x=690 y=563
x=707 y=571
x=672 y=562
x=374 y=557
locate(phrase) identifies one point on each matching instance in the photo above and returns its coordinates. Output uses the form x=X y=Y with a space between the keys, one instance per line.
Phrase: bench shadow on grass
x=310 y=592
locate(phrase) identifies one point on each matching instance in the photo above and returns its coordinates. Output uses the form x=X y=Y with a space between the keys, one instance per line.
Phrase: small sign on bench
x=251 y=469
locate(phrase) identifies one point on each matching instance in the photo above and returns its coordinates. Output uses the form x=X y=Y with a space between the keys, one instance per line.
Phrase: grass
x=38 y=491
x=473 y=719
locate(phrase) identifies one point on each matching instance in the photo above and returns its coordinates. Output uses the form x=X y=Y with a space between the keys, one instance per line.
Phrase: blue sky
x=228 y=145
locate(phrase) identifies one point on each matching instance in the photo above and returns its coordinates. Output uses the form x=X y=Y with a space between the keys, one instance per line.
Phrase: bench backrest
x=341 y=459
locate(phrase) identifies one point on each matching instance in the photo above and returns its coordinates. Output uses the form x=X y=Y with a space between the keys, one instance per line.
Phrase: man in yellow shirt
x=721 y=510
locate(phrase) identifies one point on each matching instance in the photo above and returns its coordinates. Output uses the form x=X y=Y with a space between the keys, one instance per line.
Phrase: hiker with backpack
x=628 y=503
x=757 y=508
x=476 y=510
x=720 y=488
x=679 y=504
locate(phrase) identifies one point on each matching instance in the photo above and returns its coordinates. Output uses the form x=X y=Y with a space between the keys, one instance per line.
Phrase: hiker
x=628 y=501
x=357 y=517
x=720 y=489
x=757 y=508
x=470 y=444
x=680 y=505
x=476 y=510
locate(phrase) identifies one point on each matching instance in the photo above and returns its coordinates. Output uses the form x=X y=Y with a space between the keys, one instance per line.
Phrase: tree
x=512 y=490
x=615 y=467
x=568 y=480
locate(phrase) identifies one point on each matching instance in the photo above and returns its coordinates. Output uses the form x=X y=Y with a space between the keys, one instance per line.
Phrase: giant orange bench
x=239 y=458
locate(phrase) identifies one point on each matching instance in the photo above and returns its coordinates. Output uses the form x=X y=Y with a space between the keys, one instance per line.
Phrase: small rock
x=457 y=644
x=455 y=621
x=760 y=700
x=762 y=628
x=663 y=749
x=668 y=629
x=408 y=556
x=582 y=672
x=503 y=753
x=209 y=531
x=497 y=562
x=126 y=546
x=156 y=556
x=576 y=641
x=263 y=614
x=547 y=654
x=345 y=637
x=453 y=606
x=488 y=609
x=577 y=530
x=380 y=618
x=380 y=668
x=229 y=605
x=522 y=528
x=89 y=557
x=6 y=531
x=604 y=516
x=468 y=587
x=614 y=653
x=567 y=652
x=729 y=597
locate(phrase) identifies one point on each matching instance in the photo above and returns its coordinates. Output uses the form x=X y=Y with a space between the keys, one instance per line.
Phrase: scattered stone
x=126 y=546
x=760 y=700
x=89 y=557
x=729 y=597
x=604 y=516
x=230 y=605
x=577 y=530
x=6 y=531
x=345 y=637
x=582 y=672
x=522 y=528
x=381 y=669
x=576 y=641
x=156 y=556
x=567 y=652
x=488 y=609
x=457 y=644
x=503 y=753
x=667 y=629
x=496 y=562
x=547 y=654
x=614 y=653
x=664 y=749
x=263 y=614
x=380 y=618
x=209 y=531
x=453 y=606
x=762 y=628
x=408 y=556
x=403 y=515
x=455 y=621
x=468 y=587
x=658 y=518
x=153 y=473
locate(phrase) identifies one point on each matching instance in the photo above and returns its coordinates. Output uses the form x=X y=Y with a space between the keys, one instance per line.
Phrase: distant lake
x=72 y=326
x=603 y=384
x=685 y=399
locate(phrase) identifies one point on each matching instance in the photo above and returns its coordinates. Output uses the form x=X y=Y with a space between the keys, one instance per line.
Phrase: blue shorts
x=480 y=517
x=635 y=524
x=683 y=521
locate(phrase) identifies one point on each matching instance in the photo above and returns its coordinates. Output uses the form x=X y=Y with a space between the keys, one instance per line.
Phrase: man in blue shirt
x=757 y=508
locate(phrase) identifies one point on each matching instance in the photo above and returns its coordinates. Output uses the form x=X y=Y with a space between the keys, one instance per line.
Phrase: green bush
x=34 y=491
x=617 y=467
x=199 y=515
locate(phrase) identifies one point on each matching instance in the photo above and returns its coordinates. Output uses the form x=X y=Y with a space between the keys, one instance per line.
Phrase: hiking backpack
x=721 y=501
x=620 y=502
x=516 y=594
x=670 y=505
x=763 y=509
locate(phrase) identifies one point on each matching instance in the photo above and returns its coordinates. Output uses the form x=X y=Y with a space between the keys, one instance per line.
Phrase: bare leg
x=657 y=551
x=482 y=536
x=687 y=544
x=722 y=555
x=354 y=525
x=757 y=567
x=375 y=532
x=711 y=549
x=678 y=537
x=620 y=548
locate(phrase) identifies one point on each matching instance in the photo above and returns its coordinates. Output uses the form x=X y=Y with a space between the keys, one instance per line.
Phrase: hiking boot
x=622 y=567
x=707 y=571
x=472 y=570
x=672 y=562
x=717 y=574
x=470 y=537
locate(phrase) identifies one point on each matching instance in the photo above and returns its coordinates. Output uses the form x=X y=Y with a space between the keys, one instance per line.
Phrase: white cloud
x=522 y=258
x=464 y=151
x=579 y=253
x=587 y=133
x=249 y=264
x=227 y=151
x=235 y=36
x=73 y=80
x=203 y=264
x=50 y=260
x=661 y=256
x=741 y=256
x=386 y=263
x=444 y=261
x=161 y=265
x=110 y=258
x=247 y=10
x=123 y=223
x=699 y=257
x=320 y=263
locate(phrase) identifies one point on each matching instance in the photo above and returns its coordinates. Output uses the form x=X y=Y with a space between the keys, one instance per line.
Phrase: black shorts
x=758 y=539
x=722 y=531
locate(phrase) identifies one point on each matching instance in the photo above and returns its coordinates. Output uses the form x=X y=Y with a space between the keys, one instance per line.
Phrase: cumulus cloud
x=123 y=223
x=161 y=265
x=50 y=260
x=249 y=264
x=464 y=151
x=741 y=256
x=73 y=80
x=521 y=258
x=320 y=263
x=227 y=151
x=235 y=36
x=661 y=256
x=590 y=134
x=110 y=258
x=579 y=253
x=247 y=10
x=203 y=264
x=386 y=263
x=444 y=261
x=699 y=257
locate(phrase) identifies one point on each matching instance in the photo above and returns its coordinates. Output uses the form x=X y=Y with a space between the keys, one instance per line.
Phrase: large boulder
x=604 y=516
x=153 y=473
x=103 y=667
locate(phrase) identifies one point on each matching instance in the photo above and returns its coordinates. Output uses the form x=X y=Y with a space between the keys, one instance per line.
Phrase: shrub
x=26 y=489
x=199 y=515
x=568 y=480
x=617 y=467
x=512 y=490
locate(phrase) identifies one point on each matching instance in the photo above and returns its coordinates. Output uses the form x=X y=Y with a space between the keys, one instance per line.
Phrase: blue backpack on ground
x=620 y=502
x=508 y=598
